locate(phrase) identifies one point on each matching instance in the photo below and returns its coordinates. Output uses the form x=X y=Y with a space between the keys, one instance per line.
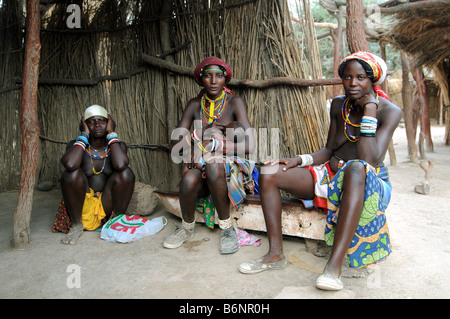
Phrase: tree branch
x=248 y=83
x=88 y=82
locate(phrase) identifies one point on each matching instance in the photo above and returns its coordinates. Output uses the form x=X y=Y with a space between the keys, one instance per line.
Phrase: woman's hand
x=368 y=98
x=214 y=129
x=288 y=162
x=83 y=126
x=111 y=126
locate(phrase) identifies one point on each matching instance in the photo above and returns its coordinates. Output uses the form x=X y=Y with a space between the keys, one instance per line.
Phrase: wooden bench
x=296 y=219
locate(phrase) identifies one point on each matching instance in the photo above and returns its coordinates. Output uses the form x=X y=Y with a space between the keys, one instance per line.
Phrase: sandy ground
x=94 y=268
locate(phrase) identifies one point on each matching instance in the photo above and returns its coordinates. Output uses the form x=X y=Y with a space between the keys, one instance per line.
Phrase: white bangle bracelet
x=307 y=160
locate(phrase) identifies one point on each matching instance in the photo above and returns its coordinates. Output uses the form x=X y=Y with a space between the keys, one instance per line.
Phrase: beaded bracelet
x=112 y=141
x=374 y=102
x=81 y=144
x=188 y=140
x=369 y=119
x=368 y=126
x=83 y=139
x=194 y=136
x=217 y=145
x=85 y=133
x=214 y=144
x=111 y=135
x=202 y=161
x=220 y=145
x=367 y=134
x=112 y=138
x=200 y=146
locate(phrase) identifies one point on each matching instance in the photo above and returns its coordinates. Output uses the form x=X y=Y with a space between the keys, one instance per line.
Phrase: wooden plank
x=296 y=219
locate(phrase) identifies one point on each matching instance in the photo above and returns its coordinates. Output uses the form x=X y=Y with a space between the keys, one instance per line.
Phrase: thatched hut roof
x=423 y=31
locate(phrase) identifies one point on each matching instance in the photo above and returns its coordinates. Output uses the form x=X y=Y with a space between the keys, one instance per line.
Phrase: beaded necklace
x=93 y=168
x=346 y=108
x=90 y=152
x=106 y=153
x=209 y=116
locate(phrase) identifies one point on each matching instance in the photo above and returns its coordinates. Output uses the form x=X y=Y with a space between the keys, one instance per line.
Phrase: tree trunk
x=422 y=99
x=29 y=126
x=166 y=46
x=408 y=111
x=356 y=36
x=445 y=89
x=385 y=88
x=337 y=38
x=170 y=101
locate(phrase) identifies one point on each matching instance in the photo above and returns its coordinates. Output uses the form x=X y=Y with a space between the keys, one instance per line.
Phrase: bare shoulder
x=388 y=111
x=236 y=104
x=69 y=145
x=238 y=110
x=235 y=100
x=193 y=103
x=192 y=108
x=336 y=105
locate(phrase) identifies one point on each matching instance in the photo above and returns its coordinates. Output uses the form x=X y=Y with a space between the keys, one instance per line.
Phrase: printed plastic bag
x=129 y=228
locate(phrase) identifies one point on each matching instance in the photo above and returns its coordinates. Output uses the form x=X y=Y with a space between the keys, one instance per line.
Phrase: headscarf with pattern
x=374 y=66
x=198 y=72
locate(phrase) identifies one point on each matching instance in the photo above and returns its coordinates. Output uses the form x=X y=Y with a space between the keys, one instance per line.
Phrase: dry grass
x=255 y=38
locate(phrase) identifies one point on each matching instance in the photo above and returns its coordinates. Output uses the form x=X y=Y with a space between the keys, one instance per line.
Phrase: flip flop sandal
x=256 y=266
x=329 y=282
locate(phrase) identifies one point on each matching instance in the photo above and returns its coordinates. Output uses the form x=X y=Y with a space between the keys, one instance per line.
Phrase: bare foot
x=73 y=235
x=272 y=257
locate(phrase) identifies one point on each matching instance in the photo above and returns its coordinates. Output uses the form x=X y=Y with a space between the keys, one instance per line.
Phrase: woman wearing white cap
x=97 y=181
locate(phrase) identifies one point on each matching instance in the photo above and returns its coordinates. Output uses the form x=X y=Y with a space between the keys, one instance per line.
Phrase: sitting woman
x=347 y=178
x=97 y=181
x=215 y=170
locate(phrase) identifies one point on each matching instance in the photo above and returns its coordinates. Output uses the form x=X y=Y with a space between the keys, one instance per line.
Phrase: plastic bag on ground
x=129 y=228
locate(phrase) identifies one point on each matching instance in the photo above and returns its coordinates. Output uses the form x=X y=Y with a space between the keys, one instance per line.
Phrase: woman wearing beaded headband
x=346 y=178
x=205 y=129
x=97 y=181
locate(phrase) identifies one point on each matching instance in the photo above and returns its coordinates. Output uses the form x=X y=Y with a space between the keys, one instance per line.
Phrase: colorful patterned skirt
x=239 y=173
x=62 y=221
x=371 y=242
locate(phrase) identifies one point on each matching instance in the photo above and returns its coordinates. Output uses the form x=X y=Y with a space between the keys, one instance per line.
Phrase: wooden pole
x=29 y=125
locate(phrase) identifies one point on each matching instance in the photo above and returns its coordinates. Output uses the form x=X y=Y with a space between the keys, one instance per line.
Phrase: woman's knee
x=128 y=176
x=190 y=181
x=268 y=176
x=72 y=177
x=215 y=171
x=355 y=172
x=120 y=180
